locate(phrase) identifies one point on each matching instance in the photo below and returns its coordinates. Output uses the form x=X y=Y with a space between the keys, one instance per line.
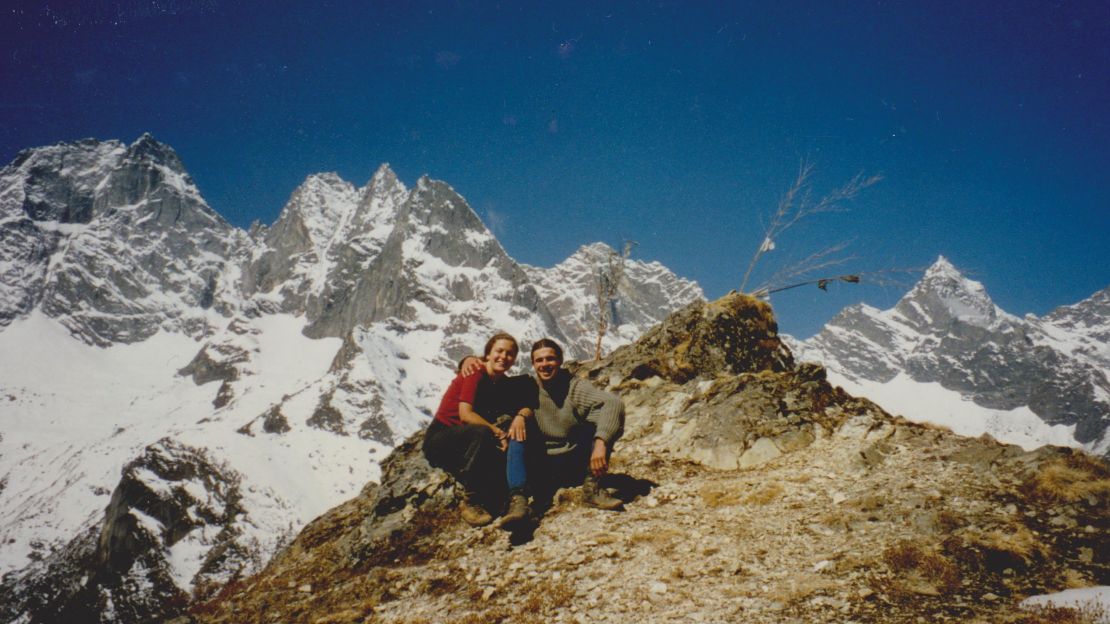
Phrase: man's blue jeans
x=516 y=474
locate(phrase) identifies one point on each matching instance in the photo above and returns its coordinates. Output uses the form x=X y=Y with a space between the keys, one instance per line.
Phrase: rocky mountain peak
x=384 y=178
x=945 y=295
x=1091 y=313
x=147 y=148
x=1026 y=380
x=109 y=228
x=313 y=213
x=378 y=207
x=449 y=228
x=570 y=290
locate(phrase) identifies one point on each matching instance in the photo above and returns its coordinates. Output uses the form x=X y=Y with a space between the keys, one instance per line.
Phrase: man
x=580 y=423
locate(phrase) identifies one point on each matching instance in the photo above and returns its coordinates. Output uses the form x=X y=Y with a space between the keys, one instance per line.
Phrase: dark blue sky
x=675 y=124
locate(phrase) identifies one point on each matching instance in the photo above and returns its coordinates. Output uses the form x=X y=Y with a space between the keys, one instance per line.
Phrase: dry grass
x=715 y=495
x=765 y=495
x=605 y=538
x=1071 y=479
x=948 y=520
x=996 y=550
x=919 y=571
x=547 y=598
x=800 y=586
x=660 y=537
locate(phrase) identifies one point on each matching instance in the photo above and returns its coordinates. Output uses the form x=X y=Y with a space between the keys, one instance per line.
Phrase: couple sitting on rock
x=493 y=431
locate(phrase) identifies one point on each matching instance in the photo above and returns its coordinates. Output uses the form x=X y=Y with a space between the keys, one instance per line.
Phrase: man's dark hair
x=501 y=336
x=547 y=343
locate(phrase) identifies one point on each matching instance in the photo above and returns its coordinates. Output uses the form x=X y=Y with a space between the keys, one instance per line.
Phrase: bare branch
x=820 y=260
x=871 y=277
x=797 y=203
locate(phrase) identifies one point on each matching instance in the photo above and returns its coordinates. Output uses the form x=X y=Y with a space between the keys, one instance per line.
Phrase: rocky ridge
x=318 y=342
x=947 y=331
x=754 y=491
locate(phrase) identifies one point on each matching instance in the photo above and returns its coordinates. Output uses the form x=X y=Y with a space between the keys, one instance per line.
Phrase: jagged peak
x=594 y=249
x=946 y=294
x=384 y=182
x=147 y=147
x=326 y=179
x=944 y=276
x=384 y=176
x=428 y=184
x=943 y=267
x=321 y=197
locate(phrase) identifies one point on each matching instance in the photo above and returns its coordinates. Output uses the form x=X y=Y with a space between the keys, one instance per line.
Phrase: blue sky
x=674 y=124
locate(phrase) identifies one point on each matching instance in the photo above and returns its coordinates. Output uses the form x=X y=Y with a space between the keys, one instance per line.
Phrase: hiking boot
x=473 y=514
x=518 y=511
x=595 y=496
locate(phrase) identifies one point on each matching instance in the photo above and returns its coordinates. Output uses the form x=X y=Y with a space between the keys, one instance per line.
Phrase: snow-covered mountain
x=947 y=354
x=570 y=291
x=178 y=396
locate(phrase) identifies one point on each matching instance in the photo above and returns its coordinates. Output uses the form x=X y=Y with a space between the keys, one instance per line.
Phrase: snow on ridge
x=929 y=402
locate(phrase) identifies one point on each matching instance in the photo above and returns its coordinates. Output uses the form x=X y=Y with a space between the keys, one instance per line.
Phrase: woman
x=466 y=437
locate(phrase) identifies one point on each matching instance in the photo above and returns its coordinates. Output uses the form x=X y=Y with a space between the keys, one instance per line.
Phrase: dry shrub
x=948 y=520
x=920 y=571
x=838 y=518
x=930 y=426
x=546 y=598
x=413 y=544
x=866 y=503
x=442 y=585
x=1074 y=579
x=765 y=495
x=212 y=605
x=1070 y=479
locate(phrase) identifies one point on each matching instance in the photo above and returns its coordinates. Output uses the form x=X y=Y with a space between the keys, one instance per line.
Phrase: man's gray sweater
x=569 y=401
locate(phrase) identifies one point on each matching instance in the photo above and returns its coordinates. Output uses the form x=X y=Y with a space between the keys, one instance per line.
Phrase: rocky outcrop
x=734 y=334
